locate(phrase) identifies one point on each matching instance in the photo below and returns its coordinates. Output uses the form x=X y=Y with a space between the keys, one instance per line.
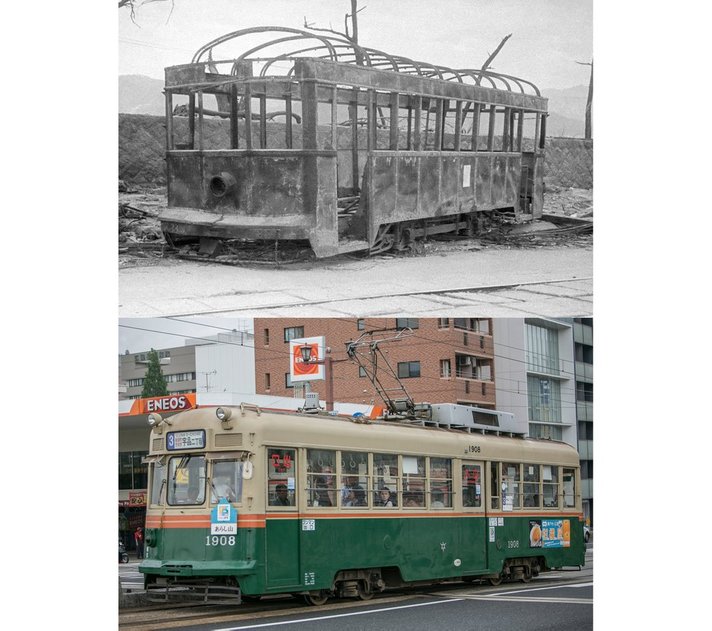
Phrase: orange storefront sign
x=170 y=403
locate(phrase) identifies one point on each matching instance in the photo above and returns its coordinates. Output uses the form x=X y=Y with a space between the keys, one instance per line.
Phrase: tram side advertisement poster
x=549 y=533
x=298 y=369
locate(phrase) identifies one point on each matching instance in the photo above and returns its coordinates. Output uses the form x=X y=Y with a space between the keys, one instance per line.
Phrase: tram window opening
x=386 y=485
x=186 y=480
x=382 y=119
x=158 y=481
x=495 y=486
x=532 y=496
x=321 y=477
x=414 y=481
x=550 y=486
x=471 y=485
x=281 y=477
x=226 y=481
x=466 y=126
x=483 y=129
x=569 y=487
x=355 y=479
x=529 y=128
x=511 y=486
x=450 y=134
x=440 y=483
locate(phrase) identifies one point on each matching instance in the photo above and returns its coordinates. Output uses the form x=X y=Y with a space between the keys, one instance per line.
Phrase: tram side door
x=282 y=520
x=474 y=534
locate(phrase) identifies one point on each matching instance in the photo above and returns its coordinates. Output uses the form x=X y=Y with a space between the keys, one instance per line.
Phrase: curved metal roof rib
x=340 y=49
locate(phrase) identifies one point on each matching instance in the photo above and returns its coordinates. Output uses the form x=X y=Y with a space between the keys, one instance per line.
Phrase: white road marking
x=339 y=615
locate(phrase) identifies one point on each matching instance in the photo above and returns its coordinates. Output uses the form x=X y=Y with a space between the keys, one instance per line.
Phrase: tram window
x=440 y=483
x=471 y=485
x=158 y=480
x=281 y=480
x=226 y=481
x=321 y=477
x=354 y=479
x=414 y=481
x=529 y=131
x=483 y=129
x=186 y=480
x=428 y=124
x=511 y=486
x=500 y=125
x=532 y=496
x=450 y=121
x=569 y=487
x=468 y=121
x=385 y=480
x=550 y=486
x=494 y=485
x=382 y=118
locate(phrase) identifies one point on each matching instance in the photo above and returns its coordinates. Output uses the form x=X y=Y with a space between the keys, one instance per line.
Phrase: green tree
x=154 y=383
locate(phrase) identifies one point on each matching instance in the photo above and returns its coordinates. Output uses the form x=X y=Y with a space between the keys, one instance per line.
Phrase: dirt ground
x=141 y=242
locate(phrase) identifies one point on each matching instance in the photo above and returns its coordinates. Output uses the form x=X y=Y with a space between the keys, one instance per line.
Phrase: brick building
x=445 y=360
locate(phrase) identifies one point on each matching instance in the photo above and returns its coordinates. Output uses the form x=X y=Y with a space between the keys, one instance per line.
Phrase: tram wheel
x=364 y=591
x=495 y=581
x=526 y=576
x=316 y=599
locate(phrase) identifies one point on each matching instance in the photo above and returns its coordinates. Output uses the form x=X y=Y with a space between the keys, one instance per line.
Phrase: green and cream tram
x=247 y=502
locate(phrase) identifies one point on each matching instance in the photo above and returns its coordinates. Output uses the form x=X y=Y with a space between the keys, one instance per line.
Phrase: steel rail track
x=390 y=295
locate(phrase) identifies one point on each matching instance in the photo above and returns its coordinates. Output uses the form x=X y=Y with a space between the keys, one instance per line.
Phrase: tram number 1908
x=220 y=540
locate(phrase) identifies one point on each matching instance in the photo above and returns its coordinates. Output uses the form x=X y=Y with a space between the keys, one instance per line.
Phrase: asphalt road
x=493 y=282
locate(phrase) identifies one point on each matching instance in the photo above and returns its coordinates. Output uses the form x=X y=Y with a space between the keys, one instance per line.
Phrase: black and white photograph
x=355 y=158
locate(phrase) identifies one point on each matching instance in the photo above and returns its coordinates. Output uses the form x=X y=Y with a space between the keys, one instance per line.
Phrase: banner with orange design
x=298 y=369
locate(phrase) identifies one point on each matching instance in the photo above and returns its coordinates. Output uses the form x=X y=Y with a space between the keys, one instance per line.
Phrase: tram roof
x=286 y=44
x=329 y=432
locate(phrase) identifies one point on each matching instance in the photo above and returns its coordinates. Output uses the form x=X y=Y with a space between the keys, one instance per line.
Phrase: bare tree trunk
x=588 y=133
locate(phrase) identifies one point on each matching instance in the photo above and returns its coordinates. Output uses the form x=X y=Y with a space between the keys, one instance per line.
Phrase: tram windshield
x=226 y=481
x=186 y=480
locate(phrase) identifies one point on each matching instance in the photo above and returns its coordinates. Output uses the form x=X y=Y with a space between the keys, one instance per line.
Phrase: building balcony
x=474 y=390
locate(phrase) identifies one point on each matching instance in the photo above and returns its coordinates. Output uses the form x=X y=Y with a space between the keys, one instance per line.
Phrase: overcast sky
x=548 y=36
x=141 y=334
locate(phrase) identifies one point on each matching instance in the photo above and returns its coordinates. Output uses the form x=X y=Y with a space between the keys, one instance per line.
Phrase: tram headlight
x=223 y=414
x=154 y=420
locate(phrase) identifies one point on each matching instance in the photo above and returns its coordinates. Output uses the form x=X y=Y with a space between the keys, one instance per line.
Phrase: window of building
x=407 y=323
x=187 y=480
x=544 y=399
x=542 y=349
x=288 y=380
x=266 y=337
x=408 y=369
x=471 y=485
x=293 y=332
x=445 y=368
x=321 y=477
x=133 y=473
x=360 y=324
x=584 y=391
x=268 y=381
x=443 y=323
x=547 y=432
x=281 y=477
x=478 y=325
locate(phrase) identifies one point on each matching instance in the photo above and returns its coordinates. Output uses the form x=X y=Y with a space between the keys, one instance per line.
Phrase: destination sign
x=185 y=440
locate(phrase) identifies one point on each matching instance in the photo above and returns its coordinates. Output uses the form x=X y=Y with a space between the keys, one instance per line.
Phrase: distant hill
x=141 y=95
x=567 y=108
